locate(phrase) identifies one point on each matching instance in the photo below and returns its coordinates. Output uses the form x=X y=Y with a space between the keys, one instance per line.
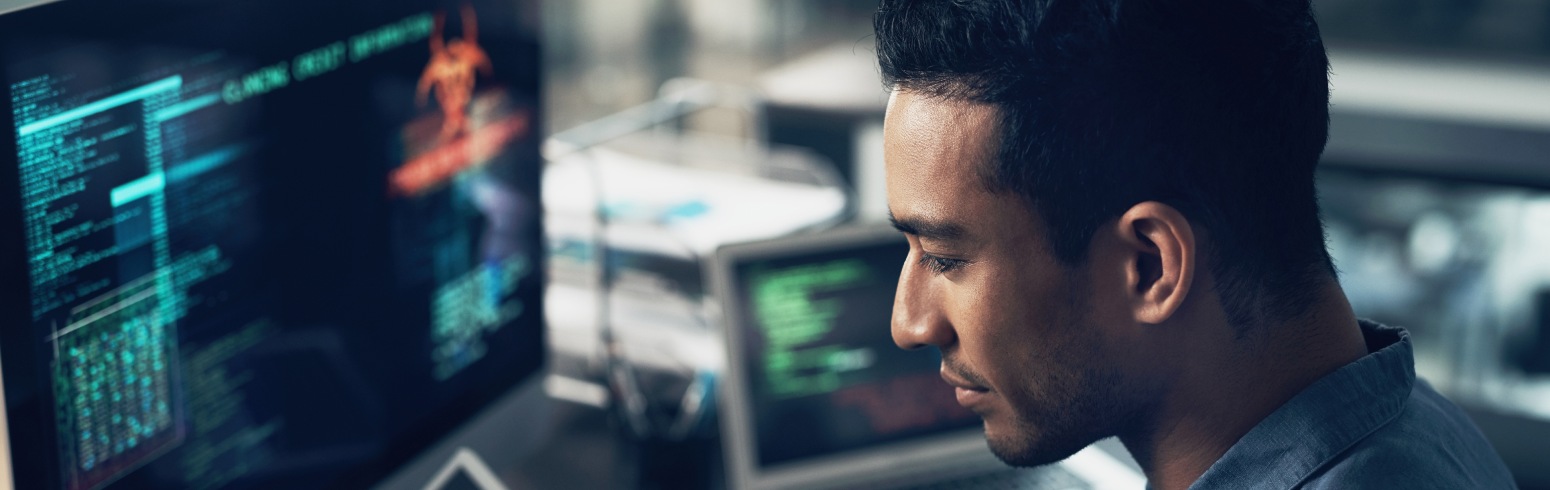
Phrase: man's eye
x=940 y=265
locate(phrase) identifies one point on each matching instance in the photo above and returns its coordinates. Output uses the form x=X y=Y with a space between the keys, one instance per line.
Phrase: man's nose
x=918 y=318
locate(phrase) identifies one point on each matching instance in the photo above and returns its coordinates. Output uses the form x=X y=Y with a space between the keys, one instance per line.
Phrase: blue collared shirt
x=1369 y=424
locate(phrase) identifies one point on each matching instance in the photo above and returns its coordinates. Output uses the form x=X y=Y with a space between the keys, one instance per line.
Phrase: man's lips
x=968 y=394
x=958 y=382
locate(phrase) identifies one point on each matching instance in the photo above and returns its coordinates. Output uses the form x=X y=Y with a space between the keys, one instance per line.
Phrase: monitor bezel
x=12 y=269
x=7 y=482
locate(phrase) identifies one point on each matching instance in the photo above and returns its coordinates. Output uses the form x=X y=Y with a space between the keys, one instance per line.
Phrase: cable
x=625 y=396
x=677 y=98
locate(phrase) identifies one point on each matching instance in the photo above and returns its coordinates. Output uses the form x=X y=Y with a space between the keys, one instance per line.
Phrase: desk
x=583 y=450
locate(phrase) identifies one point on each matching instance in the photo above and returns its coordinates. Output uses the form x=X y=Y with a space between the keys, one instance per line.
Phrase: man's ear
x=1160 y=247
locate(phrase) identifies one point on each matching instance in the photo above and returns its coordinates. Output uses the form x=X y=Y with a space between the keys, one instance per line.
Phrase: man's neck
x=1229 y=385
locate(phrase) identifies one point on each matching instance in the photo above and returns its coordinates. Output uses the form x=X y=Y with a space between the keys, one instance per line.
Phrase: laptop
x=816 y=395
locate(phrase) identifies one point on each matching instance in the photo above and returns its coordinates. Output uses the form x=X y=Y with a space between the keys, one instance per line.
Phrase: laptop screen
x=824 y=374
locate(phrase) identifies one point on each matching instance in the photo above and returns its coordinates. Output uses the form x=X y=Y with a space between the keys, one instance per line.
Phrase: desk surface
x=585 y=451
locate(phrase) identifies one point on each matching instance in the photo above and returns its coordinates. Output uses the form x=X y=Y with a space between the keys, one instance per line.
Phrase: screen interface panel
x=264 y=243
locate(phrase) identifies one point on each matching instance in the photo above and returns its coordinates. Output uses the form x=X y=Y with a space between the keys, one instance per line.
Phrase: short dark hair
x=1217 y=107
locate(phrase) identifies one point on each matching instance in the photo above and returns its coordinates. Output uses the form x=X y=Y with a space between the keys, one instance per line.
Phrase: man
x=1113 y=231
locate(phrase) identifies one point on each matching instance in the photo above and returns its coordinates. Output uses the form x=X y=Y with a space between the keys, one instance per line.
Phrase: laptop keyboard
x=1045 y=478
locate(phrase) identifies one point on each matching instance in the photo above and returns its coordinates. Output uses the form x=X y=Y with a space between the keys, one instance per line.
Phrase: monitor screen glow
x=263 y=244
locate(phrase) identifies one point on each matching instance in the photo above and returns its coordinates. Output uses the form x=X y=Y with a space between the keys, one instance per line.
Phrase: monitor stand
x=465 y=471
x=472 y=456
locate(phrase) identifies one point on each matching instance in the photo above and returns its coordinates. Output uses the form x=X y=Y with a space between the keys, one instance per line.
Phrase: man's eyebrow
x=931 y=230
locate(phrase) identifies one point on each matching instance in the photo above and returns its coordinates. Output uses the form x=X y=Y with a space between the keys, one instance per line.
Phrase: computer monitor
x=262 y=243
x=823 y=373
x=816 y=391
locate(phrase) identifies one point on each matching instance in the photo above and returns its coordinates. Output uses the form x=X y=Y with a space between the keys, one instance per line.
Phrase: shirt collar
x=1324 y=419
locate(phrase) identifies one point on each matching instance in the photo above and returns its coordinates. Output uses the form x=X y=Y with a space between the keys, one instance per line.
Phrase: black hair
x=1219 y=108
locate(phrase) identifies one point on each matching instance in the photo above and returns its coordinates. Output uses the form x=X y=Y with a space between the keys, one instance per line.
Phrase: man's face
x=1021 y=335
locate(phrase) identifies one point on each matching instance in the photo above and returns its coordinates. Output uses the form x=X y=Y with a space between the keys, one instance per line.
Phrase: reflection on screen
x=825 y=374
x=268 y=263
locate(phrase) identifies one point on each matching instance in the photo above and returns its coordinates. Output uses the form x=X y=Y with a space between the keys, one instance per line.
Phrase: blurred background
x=1435 y=186
x=346 y=279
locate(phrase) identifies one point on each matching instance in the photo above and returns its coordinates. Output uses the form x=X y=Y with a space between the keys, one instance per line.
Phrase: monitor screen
x=262 y=243
x=824 y=374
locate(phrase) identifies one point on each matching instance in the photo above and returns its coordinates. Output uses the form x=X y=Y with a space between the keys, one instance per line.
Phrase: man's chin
x=1027 y=447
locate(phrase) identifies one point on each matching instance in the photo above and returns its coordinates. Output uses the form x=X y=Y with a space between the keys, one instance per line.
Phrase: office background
x=638 y=142
x=1435 y=187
